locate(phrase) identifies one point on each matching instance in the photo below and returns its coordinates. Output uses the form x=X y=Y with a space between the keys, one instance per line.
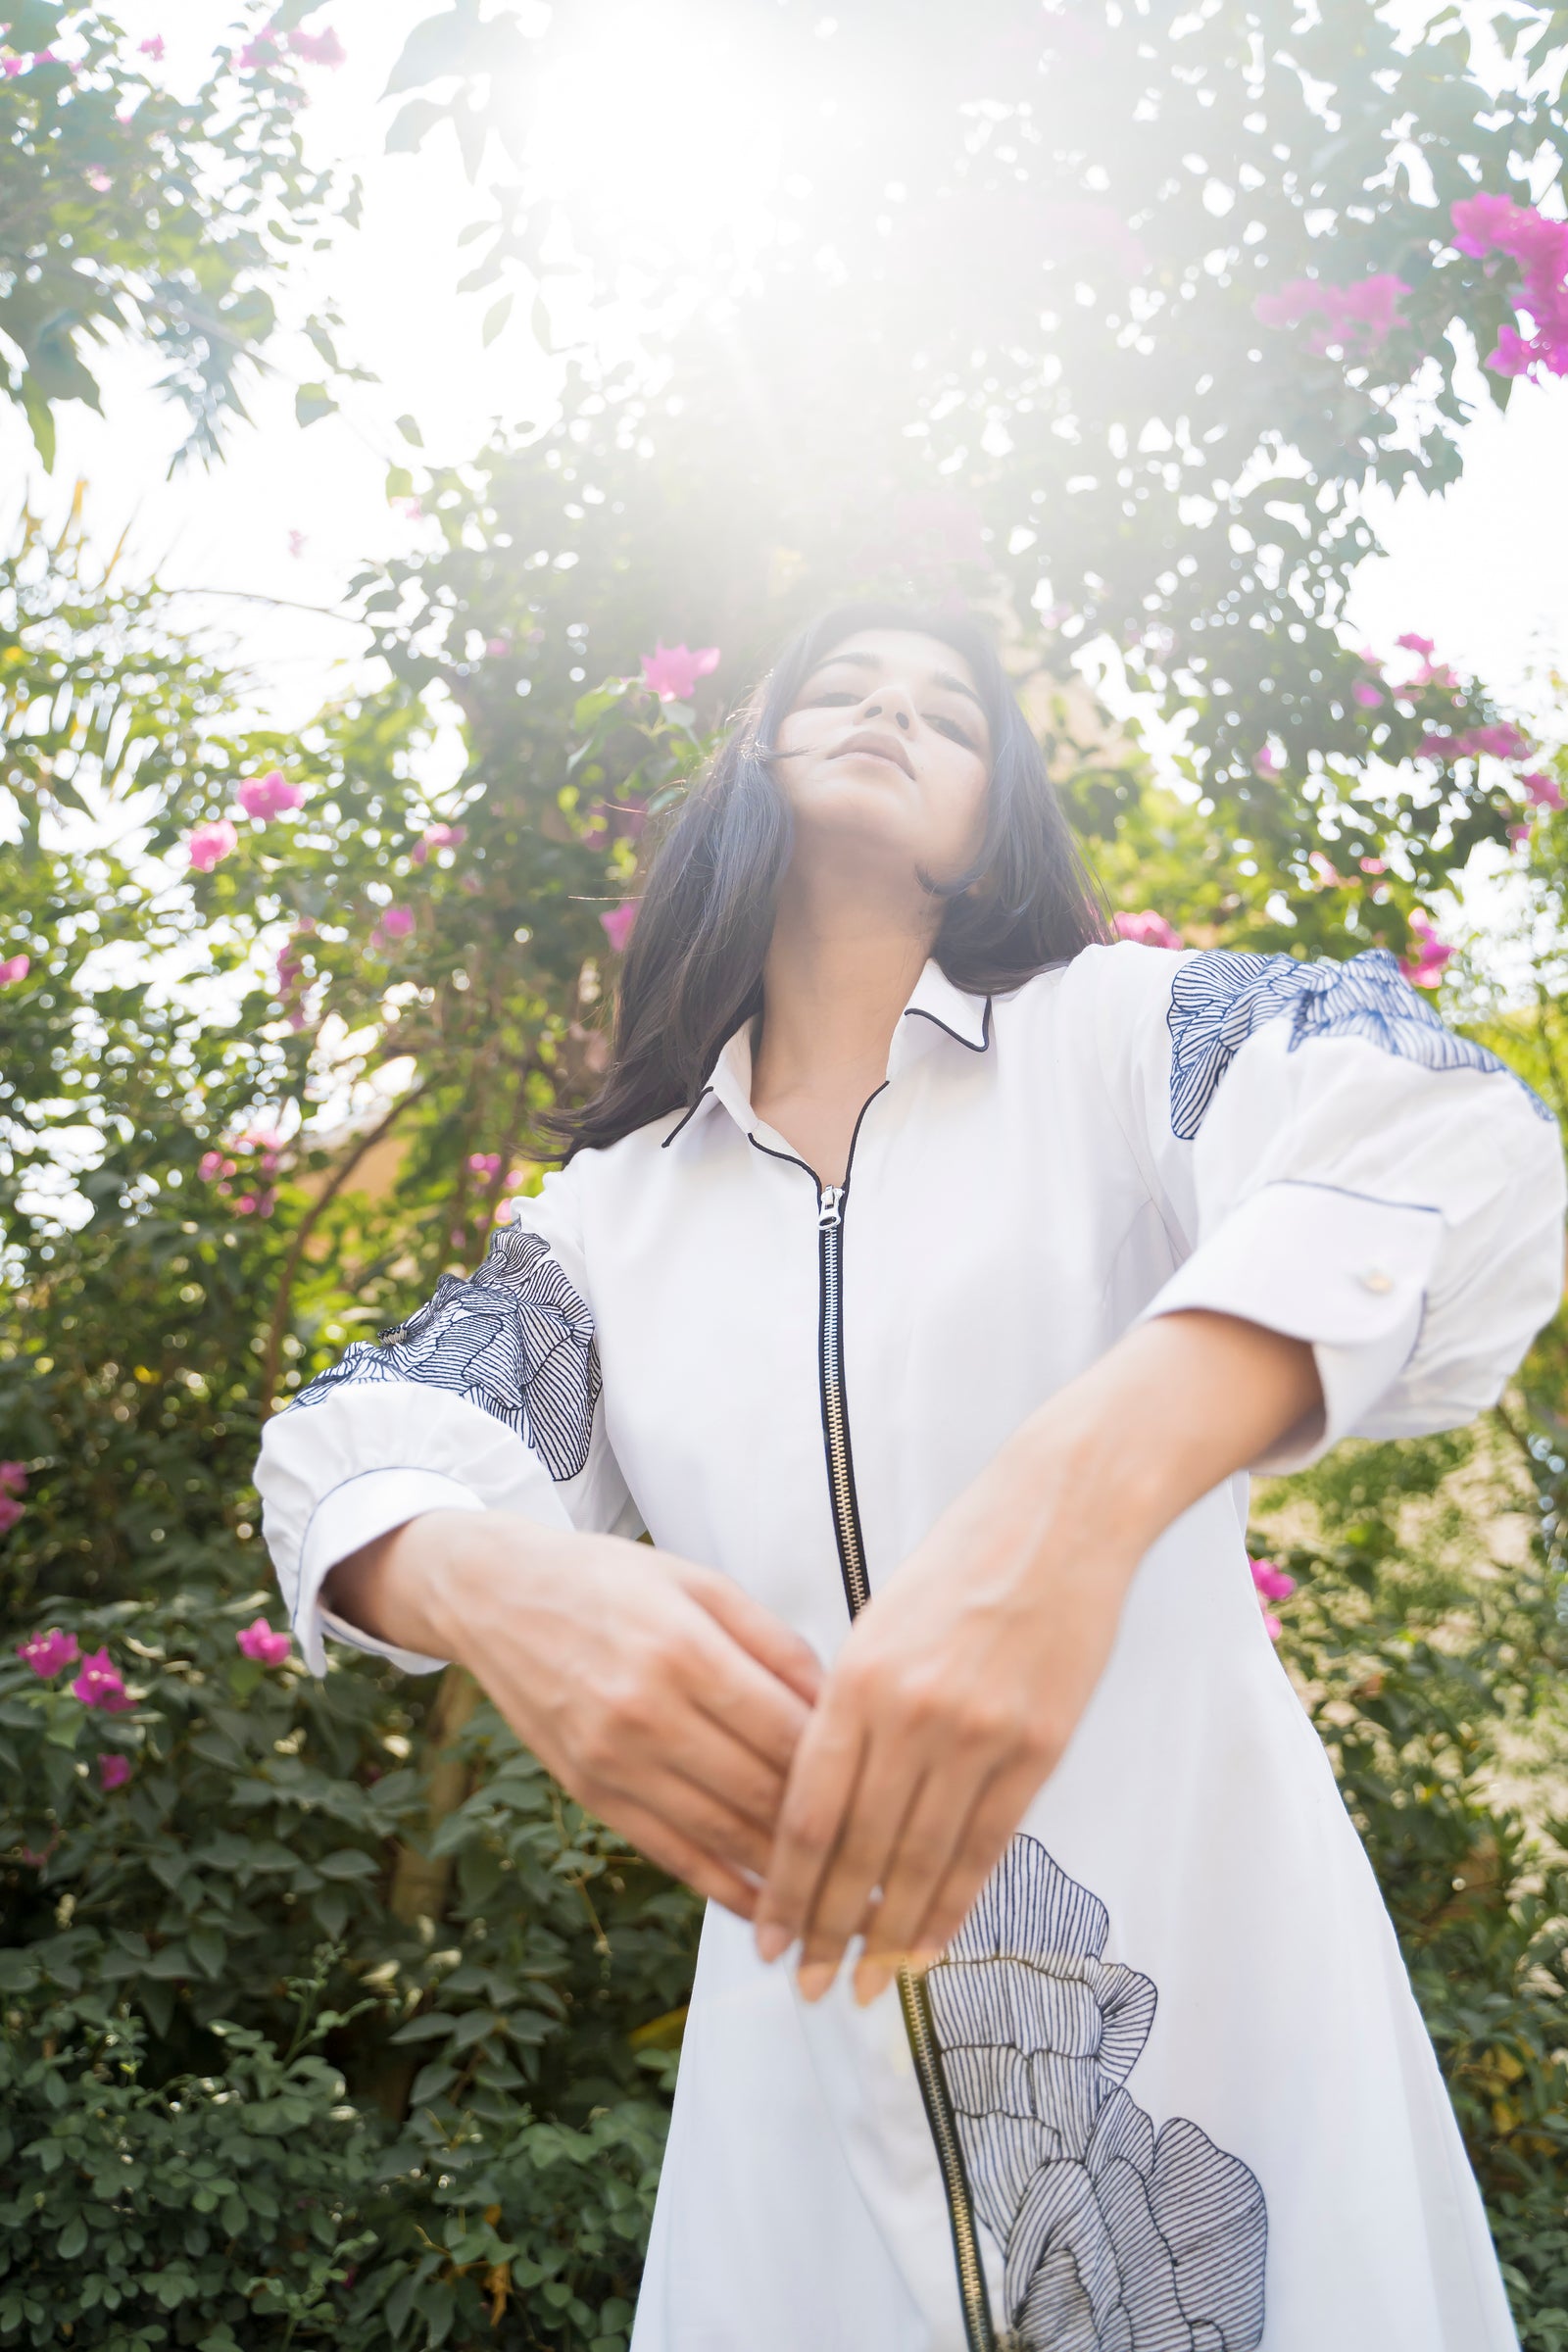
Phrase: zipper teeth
x=913 y=1999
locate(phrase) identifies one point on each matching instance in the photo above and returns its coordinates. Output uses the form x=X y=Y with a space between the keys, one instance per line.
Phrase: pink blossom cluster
x=484 y=1164
x=1503 y=741
x=14 y=968
x=396 y=922
x=13 y=1484
x=438 y=836
x=1430 y=673
x=316 y=48
x=268 y=796
x=1487 y=224
x=1151 y=929
x=1271 y=1582
x=207 y=846
x=99 y=1685
x=259 y=1642
x=618 y=923
x=264 y=1148
x=1355 y=319
x=1424 y=969
x=671 y=671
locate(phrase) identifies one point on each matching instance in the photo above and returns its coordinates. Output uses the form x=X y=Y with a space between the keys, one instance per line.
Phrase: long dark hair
x=692 y=971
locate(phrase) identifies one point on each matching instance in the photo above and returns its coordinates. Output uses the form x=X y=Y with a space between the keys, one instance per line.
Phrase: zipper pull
x=829 y=1206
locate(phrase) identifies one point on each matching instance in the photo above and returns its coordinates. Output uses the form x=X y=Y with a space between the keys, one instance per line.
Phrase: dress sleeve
x=486 y=1398
x=1332 y=1162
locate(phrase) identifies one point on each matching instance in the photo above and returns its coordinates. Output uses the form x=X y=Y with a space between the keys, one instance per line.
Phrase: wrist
x=477 y=1569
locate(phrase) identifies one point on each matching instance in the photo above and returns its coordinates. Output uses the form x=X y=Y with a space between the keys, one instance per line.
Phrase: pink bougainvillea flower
x=1373 y=866
x=485 y=1163
x=267 y=795
x=1150 y=929
x=100 y=1685
x=113 y=1773
x=152 y=47
x=258 y=1640
x=1325 y=872
x=1271 y=1580
x=319 y=48
x=12 y=1478
x=498 y=645
x=1477 y=220
x=438 y=836
x=1499 y=742
x=1486 y=224
x=1518 y=835
x=1541 y=790
x=256 y=52
x=1357 y=319
x=1425 y=969
x=1266 y=764
x=396 y=922
x=46 y=1653
x=210 y=844
x=211 y=1165
x=671 y=671
x=1426 y=647
x=1367 y=695
x=12 y=65
x=98 y=180
x=618 y=923
x=14 y=968
x=10 y=1513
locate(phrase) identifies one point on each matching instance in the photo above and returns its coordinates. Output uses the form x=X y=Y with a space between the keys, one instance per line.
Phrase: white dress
x=1168 y=2091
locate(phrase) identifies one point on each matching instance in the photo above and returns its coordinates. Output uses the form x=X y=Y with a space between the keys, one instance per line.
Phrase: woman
x=1095 y=2036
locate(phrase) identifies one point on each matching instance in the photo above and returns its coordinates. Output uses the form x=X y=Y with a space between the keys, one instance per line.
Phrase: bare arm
x=657 y=1691
x=961 y=1682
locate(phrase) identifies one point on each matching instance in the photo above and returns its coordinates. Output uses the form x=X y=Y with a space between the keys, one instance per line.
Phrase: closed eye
x=953 y=727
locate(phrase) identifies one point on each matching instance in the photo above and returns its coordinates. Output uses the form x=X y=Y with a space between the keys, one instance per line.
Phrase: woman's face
x=888 y=751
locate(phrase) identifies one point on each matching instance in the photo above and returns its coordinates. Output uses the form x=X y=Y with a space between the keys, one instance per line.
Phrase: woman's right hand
x=658 y=1693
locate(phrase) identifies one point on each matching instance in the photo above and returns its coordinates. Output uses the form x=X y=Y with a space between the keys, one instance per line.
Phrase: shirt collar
x=938 y=1010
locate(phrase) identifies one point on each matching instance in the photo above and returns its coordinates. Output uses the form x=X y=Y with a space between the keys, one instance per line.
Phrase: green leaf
x=409 y=427
x=495 y=318
x=413 y=124
x=312 y=402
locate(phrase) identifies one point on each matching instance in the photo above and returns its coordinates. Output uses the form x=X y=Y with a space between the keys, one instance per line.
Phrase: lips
x=882 y=747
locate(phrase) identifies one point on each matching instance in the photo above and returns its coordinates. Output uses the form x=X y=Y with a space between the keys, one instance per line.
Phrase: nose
x=889 y=702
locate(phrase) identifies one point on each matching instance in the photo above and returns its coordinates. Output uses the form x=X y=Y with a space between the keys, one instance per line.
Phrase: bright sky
x=1482 y=570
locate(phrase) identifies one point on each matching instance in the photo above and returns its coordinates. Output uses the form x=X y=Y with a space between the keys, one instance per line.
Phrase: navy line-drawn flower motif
x=1219 y=998
x=513 y=1338
x=1113 y=2239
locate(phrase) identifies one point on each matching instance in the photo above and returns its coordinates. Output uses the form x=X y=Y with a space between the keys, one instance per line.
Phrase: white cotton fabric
x=1018 y=1197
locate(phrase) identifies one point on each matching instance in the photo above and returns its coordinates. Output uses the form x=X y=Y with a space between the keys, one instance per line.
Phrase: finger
x=710 y=1757
x=936 y=1831
x=764 y=1637
x=664 y=1846
x=994 y=1822
x=818 y=1795
x=699 y=1815
x=751 y=1703
x=867 y=1843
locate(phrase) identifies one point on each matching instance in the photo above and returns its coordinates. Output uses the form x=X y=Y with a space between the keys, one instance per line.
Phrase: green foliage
x=1428 y=1635
x=132 y=214
x=245 y=2081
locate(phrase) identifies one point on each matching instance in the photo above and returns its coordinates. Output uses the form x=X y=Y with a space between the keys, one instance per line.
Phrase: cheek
x=962 y=806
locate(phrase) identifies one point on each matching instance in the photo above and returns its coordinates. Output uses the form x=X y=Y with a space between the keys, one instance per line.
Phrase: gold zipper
x=913 y=1999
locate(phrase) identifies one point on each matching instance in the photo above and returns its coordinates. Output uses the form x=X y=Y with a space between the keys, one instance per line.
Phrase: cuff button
x=1374 y=1279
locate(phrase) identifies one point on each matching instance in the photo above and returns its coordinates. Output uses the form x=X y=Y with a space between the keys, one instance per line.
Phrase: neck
x=840 y=971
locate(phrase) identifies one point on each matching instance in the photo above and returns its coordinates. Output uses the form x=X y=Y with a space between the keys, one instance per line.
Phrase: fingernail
x=815 y=1978
x=872 y=1979
x=773 y=1938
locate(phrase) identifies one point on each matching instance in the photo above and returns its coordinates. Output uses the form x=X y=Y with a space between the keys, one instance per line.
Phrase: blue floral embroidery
x=1220 y=997
x=514 y=1338
x=1114 y=2238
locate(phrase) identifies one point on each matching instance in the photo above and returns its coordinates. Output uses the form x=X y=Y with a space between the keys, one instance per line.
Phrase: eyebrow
x=939 y=677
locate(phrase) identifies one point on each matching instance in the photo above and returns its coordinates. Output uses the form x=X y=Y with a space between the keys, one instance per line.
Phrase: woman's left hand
x=952 y=1700
x=961 y=1682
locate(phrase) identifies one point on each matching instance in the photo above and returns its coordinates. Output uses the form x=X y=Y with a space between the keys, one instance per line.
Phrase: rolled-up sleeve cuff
x=351 y=1515
x=1342 y=1270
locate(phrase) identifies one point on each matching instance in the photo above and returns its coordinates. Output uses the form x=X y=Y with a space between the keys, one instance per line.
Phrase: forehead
x=905 y=653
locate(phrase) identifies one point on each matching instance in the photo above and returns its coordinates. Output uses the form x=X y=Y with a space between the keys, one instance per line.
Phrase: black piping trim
x=917 y=1013
x=791 y=1159
x=686 y=1119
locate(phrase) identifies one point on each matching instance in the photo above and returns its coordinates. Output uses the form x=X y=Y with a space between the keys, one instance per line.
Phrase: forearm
x=424 y=1587
x=1178 y=1405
